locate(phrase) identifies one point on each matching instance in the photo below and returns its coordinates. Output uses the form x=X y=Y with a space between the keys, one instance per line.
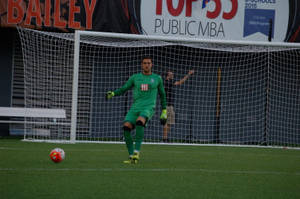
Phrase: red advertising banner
x=60 y=14
x=67 y=15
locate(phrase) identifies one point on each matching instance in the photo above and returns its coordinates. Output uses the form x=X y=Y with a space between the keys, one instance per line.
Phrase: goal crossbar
x=184 y=39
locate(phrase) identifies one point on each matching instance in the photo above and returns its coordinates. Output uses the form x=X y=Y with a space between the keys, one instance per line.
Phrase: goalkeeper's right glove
x=163 y=117
x=110 y=94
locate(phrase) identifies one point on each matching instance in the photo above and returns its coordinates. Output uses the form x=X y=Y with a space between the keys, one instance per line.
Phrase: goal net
x=239 y=94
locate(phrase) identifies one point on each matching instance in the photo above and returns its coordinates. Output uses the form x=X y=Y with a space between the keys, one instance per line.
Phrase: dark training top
x=168 y=84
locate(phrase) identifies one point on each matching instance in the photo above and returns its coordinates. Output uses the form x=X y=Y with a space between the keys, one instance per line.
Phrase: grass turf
x=97 y=171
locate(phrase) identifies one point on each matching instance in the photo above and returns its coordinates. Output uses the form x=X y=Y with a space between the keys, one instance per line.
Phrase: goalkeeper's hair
x=146 y=57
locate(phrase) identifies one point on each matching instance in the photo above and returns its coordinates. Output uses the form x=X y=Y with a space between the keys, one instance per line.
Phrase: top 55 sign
x=216 y=19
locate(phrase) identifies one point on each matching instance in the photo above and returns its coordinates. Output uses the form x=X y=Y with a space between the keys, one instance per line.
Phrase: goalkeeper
x=145 y=87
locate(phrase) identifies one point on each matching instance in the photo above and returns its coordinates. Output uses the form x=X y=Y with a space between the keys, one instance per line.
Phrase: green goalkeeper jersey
x=145 y=89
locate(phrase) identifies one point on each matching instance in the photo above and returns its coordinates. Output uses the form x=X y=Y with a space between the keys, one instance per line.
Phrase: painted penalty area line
x=152 y=170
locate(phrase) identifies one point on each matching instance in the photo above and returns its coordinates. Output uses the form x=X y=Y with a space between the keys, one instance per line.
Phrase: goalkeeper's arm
x=128 y=85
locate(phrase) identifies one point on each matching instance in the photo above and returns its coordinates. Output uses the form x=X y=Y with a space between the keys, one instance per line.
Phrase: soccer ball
x=57 y=155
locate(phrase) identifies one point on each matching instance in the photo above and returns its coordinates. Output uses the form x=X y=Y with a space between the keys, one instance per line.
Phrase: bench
x=18 y=115
x=31 y=113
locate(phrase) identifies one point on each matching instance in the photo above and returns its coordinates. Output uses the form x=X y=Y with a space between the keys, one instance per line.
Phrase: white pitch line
x=32 y=149
x=10 y=148
x=153 y=170
x=167 y=151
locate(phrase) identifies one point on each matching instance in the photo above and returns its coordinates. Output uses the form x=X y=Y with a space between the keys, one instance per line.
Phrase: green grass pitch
x=97 y=171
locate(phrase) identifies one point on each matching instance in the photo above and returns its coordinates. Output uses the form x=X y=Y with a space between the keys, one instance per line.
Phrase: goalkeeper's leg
x=140 y=125
x=128 y=140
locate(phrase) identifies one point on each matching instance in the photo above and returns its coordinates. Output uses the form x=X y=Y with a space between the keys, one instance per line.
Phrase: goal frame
x=76 y=64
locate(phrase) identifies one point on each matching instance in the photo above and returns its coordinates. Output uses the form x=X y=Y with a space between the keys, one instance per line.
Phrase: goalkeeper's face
x=147 y=66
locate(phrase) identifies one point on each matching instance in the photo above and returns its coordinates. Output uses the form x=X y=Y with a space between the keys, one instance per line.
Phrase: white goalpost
x=241 y=93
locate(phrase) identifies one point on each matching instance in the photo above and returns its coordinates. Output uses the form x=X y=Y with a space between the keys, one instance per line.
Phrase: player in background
x=169 y=83
x=145 y=87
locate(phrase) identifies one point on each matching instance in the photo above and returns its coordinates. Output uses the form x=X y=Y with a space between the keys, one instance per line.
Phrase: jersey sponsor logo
x=144 y=87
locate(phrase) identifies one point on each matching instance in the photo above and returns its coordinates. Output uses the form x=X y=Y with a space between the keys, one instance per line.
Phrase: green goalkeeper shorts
x=133 y=114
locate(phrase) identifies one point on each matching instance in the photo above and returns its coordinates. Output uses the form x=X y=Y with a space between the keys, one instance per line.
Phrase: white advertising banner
x=255 y=20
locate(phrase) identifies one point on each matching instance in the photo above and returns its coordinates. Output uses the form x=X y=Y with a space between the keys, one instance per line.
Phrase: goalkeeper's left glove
x=163 y=117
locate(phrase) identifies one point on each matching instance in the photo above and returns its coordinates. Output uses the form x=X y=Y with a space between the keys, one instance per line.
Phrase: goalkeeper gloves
x=163 y=117
x=110 y=94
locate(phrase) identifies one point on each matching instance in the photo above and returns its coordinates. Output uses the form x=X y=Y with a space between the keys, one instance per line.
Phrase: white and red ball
x=57 y=155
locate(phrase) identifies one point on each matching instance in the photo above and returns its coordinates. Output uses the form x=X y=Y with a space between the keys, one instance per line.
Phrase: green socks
x=129 y=142
x=139 y=137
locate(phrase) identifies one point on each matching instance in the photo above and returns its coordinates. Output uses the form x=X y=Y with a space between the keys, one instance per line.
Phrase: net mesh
x=238 y=94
